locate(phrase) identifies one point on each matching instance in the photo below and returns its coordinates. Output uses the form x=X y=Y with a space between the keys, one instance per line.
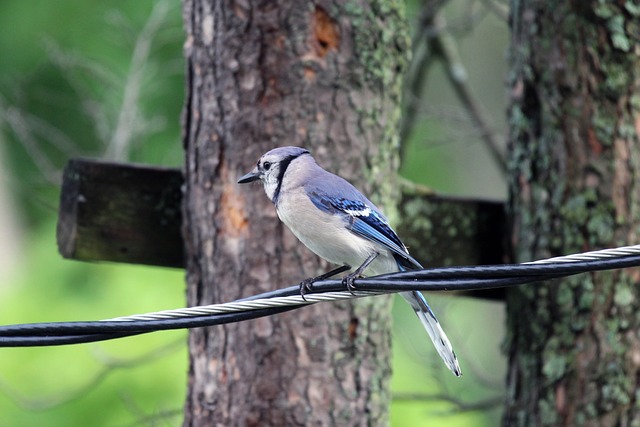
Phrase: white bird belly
x=326 y=236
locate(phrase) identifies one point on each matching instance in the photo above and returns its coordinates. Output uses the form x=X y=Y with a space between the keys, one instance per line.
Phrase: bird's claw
x=306 y=286
x=349 y=282
x=349 y=279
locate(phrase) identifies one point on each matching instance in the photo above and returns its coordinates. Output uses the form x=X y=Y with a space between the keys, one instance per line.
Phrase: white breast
x=326 y=235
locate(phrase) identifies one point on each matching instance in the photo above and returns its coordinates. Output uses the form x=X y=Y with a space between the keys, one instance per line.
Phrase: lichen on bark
x=574 y=187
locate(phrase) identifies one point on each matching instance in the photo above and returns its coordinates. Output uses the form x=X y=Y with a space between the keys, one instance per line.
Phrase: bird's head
x=271 y=167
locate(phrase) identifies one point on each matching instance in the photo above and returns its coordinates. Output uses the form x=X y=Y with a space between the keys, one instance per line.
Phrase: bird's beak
x=250 y=177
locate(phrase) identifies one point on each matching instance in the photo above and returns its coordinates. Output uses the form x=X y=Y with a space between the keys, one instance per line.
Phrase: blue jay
x=333 y=219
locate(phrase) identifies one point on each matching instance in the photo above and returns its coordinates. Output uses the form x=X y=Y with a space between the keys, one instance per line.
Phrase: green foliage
x=113 y=383
x=68 y=69
x=77 y=76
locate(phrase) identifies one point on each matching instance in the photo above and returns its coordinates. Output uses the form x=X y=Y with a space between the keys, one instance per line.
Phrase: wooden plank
x=443 y=231
x=133 y=213
x=121 y=213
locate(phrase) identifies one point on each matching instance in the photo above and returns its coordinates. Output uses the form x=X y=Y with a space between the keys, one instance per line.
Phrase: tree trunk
x=322 y=75
x=573 y=345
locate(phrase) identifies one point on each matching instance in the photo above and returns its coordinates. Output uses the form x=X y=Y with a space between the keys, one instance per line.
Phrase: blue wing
x=366 y=221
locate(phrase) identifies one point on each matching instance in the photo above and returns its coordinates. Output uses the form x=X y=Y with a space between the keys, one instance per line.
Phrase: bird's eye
x=266 y=165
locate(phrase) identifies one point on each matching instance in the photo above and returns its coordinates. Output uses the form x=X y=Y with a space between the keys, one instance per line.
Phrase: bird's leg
x=349 y=278
x=307 y=284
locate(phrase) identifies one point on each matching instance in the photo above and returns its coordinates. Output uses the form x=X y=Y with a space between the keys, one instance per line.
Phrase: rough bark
x=573 y=345
x=322 y=75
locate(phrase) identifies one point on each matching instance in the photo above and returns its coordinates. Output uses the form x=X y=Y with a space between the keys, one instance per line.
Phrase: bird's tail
x=431 y=324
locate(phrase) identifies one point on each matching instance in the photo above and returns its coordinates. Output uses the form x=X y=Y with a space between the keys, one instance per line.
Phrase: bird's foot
x=349 y=279
x=307 y=284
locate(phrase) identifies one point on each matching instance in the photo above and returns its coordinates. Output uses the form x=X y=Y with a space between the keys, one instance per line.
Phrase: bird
x=339 y=224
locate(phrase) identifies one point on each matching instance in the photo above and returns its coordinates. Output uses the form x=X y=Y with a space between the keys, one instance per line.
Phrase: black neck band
x=284 y=164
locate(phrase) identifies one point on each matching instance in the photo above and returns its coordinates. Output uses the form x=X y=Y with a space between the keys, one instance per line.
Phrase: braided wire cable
x=236 y=306
x=281 y=300
x=592 y=255
x=273 y=302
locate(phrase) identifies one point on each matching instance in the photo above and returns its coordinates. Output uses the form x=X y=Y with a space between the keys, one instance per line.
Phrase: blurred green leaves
x=75 y=77
x=113 y=383
x=87 y=79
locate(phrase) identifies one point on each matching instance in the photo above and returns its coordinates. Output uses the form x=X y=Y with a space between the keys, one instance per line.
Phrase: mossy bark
x=325 y=75
x=573 y=345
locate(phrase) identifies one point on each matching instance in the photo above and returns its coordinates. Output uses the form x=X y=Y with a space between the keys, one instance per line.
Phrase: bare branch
x=434 y=41
x=423 y=56
x=151 y=419
x=155 y=418
x=498 y=8
x=444 y=44
x=459 y=404
x=128 y=125
x=70 y=64
x=110 y=366
x=17 y=122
